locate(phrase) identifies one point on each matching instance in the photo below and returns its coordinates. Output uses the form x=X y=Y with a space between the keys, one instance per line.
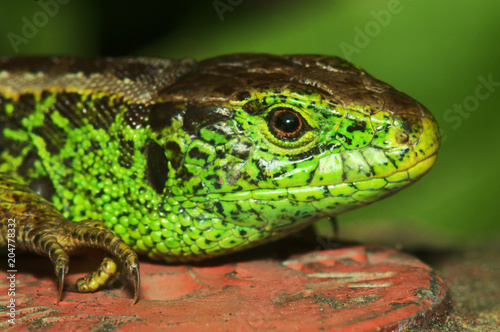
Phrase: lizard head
x=269 y=144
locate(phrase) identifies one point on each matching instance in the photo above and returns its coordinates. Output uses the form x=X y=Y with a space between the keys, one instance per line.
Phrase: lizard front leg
x=41 y=228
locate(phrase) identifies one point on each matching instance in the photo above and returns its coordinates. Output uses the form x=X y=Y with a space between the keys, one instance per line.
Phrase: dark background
x=436 y=51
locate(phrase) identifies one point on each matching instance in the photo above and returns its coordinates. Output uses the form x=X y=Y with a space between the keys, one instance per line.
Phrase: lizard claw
x=63 y=236
x=47 y=244
x=61 y=272
x=135 y=275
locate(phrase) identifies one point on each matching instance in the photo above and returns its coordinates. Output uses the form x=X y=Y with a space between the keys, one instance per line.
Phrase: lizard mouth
x=376 y=174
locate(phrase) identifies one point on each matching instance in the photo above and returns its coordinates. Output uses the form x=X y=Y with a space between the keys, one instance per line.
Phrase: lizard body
x=182 y=161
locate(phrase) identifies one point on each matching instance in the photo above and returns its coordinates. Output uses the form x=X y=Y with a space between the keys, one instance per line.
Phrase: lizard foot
x=67 y=236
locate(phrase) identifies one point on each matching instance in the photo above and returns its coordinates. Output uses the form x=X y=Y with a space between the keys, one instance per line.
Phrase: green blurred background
x=439 y=52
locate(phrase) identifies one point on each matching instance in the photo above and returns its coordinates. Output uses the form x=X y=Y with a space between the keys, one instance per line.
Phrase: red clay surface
x=351 y=288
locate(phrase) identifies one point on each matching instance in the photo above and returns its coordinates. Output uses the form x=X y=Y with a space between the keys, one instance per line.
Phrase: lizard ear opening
x=157 y=167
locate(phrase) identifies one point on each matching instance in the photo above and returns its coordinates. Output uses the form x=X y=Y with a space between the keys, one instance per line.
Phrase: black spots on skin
x=312 y=173
x=199 y=187
x=347 y=140
x=352 y=185
x=157 y=166
x=314 y=151
x=252 y=181
x=196 y=153
x=393 y=162
x=197 y=117
x=403 y=153
x=184 y=173
x=173 y=151
x=43 y=186
x=207 y=242
x=264 y=174
x=162 y=114
x=215 y=181
x=344 y=174
x=331 y=147
x=359 y=126
x=261 y=165
x=372 y=171
x=137 y=115
x=219 y=208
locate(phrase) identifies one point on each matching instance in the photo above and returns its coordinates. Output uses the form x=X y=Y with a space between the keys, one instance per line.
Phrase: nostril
x=407 y=129
x=402 y=137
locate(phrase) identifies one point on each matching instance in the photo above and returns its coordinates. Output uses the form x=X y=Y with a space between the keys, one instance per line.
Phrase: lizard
x=181 y=160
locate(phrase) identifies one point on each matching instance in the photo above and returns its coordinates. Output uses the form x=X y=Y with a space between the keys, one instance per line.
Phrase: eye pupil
x=286 y=123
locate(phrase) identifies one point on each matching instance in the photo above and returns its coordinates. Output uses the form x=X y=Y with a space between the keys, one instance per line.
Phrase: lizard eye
x=286 y=123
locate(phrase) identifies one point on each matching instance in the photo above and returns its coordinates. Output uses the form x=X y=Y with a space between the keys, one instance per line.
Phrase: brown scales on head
x=229 y=77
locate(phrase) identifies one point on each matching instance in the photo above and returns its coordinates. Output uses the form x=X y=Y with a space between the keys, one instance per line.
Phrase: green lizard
x=182 y=161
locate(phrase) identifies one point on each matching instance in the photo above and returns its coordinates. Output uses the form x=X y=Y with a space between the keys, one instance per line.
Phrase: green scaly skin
x=183 y=161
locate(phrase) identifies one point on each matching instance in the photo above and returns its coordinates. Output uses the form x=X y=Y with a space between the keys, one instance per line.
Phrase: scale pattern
x=186 y=161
